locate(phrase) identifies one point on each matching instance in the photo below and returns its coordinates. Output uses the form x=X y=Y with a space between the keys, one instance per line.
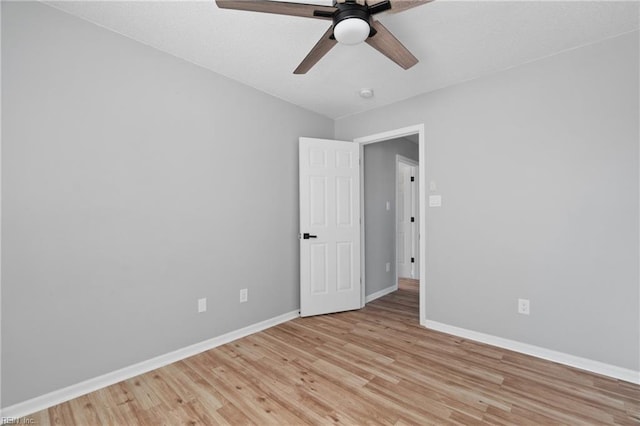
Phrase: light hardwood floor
x=373 y=366
x=409 y=284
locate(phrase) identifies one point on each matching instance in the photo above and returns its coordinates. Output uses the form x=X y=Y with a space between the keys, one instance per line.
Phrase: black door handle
x=306 y=236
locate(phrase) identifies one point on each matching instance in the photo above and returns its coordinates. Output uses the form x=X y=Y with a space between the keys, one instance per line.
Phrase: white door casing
x=330 y=216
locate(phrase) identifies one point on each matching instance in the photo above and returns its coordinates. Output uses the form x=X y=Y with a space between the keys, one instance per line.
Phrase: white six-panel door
x=330 y=218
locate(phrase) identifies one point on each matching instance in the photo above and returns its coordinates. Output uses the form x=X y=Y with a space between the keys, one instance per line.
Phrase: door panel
x=344 y=195
x=344 y=265
x=318 y=201
x=344 y=159
x=329 y=211
x=318 y=265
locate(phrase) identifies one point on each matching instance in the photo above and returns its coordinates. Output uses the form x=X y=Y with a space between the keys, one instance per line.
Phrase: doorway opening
x=379 y=251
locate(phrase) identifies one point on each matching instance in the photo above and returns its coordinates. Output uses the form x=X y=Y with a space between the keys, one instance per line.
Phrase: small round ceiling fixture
x=351 y=31
x=366 y=93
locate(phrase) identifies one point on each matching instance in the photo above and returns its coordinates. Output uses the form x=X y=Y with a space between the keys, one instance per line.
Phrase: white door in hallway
x=407 y=244
x=329 y=226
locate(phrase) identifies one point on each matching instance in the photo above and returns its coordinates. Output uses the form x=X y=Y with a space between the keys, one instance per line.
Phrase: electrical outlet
x=387 y=267
x=202 y=305
x=523 y=306
x=244 y=295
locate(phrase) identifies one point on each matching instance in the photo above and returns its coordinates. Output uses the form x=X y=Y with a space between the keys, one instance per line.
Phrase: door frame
x=381 y=137
x=413 y=163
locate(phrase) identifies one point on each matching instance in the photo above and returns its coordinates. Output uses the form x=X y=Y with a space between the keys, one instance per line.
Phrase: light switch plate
x=435 y=200
x=202 y=305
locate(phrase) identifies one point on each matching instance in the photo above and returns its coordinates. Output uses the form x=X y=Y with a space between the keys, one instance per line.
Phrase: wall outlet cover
x=202 y=305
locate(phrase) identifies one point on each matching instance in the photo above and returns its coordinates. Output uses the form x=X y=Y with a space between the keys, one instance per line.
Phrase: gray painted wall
x=538 y=170
x=379 y=187
x=134 y=183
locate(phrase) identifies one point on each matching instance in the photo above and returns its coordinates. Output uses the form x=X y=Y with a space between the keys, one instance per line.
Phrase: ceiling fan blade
x=378 y=6
x=386 y=43
x=400 y=5
x=319 y=50
x=280 y=8
x=372 y=3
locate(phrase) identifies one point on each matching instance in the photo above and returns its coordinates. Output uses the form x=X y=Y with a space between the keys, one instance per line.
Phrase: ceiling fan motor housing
x=352 y=10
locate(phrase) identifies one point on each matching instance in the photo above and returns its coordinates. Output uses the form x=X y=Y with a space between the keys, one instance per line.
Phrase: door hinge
x=413 y=260
x=413 y=178
x=413 y=219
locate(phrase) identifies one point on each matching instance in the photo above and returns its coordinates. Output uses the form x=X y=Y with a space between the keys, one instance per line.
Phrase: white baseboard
x=383 y=292
x=548 y=354
x=65 y=394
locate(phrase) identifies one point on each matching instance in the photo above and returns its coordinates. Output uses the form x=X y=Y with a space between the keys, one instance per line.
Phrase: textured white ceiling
x=454 y=41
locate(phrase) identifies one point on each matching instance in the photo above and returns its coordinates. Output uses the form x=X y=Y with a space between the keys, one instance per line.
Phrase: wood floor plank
x=84 y=412
x=373 y=366
x=62 y=414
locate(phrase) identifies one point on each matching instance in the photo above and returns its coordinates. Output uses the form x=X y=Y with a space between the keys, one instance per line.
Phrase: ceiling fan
x=353 y=23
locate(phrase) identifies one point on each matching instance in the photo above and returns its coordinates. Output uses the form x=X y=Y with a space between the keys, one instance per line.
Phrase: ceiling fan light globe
x=351 y=31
